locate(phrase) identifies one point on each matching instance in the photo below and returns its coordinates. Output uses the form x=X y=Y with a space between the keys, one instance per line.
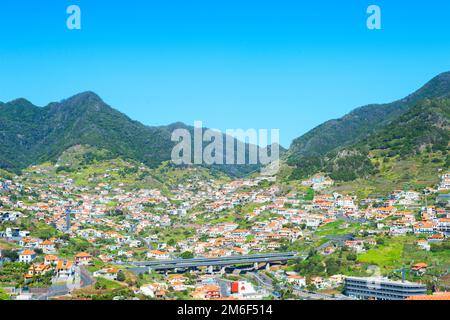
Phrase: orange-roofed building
x=83 y=259
x=425 y=227
x=206 y=292
x=27 y=256
x=64 y=268
x=297 y=280
x=47 y=246
x=158 y=255
x=419 y=266
x=37 y=270
x=50 y=259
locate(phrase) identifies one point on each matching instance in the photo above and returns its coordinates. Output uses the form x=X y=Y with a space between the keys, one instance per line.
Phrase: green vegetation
x=187 y=255
x=3 y=295
x=338 y=228
x=105 y=284
x=386 y=256
x=34 y=135
x=393 y=253
x=13 y=273
x=363 y=142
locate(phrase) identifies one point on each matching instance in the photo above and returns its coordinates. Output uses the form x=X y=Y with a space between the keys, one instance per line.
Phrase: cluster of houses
x=318 y=182
x=61 y=269
x=445 y=183
x=203 y=287
x=119 y=223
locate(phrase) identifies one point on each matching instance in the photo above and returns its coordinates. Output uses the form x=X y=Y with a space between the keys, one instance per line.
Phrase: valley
x=90 y=200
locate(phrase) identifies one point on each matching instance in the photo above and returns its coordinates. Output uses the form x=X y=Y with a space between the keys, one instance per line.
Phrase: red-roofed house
x=83 y=259
x=27 y=256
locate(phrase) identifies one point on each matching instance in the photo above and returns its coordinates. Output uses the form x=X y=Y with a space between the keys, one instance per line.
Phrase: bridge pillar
x=222 y=271
x=256 y=266
x=268 y=266
x=211 y=269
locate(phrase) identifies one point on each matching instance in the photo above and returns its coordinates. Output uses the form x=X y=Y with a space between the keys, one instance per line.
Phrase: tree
x=332 y=266
x=121 y=276
x=352 y=256
x=99 y=286
x=10 y=255
x=187 y=255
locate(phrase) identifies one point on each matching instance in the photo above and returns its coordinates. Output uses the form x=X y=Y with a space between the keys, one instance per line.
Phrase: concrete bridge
x=255 y=260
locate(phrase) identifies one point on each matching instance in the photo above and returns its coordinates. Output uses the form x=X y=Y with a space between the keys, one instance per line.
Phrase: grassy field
x=403 y=251
x=4 y=245
x=336 y=228
x=387 y=256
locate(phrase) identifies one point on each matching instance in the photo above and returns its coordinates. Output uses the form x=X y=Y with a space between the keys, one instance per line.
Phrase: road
x=85 y=278
x=142 y=267
x=203 y=259
x=267 y=283
x=263 y=280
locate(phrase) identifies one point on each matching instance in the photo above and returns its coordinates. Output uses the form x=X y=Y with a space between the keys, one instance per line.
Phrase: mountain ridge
x=30 y=134
x=318 y=149
x=362 y=121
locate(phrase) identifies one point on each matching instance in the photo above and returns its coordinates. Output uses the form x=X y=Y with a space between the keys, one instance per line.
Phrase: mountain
x=423 y=132
x=341 y=147
x=361 y=122
x=31 y=135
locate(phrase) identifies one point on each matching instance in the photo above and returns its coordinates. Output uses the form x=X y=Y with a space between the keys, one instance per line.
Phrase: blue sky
x=232 y=64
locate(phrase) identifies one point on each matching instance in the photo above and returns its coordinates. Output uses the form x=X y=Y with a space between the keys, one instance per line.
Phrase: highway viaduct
x=255 y=260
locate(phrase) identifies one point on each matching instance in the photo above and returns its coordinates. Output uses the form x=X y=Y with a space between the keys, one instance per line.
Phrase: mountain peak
x=87 y=96
x=20 y=102
x=83 y=102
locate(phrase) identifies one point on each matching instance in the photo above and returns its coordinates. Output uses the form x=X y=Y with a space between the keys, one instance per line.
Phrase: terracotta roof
x=420 y=266
x=83 y=255
x=28 y=252
x=64 y=264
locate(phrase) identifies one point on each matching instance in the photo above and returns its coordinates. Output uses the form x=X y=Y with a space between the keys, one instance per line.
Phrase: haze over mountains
x=344 y=148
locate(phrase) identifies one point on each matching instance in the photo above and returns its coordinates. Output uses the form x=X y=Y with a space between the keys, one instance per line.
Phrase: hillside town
x=62 y=240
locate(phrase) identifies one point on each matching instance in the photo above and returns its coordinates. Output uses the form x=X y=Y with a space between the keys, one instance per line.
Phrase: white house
x=27 y=256
x=158 y=255
x=298 y=281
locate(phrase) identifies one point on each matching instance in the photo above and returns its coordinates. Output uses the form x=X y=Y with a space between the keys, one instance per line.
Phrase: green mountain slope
x=411 y=148
x=32 y=135
x=361 y=122
x=341 y=147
